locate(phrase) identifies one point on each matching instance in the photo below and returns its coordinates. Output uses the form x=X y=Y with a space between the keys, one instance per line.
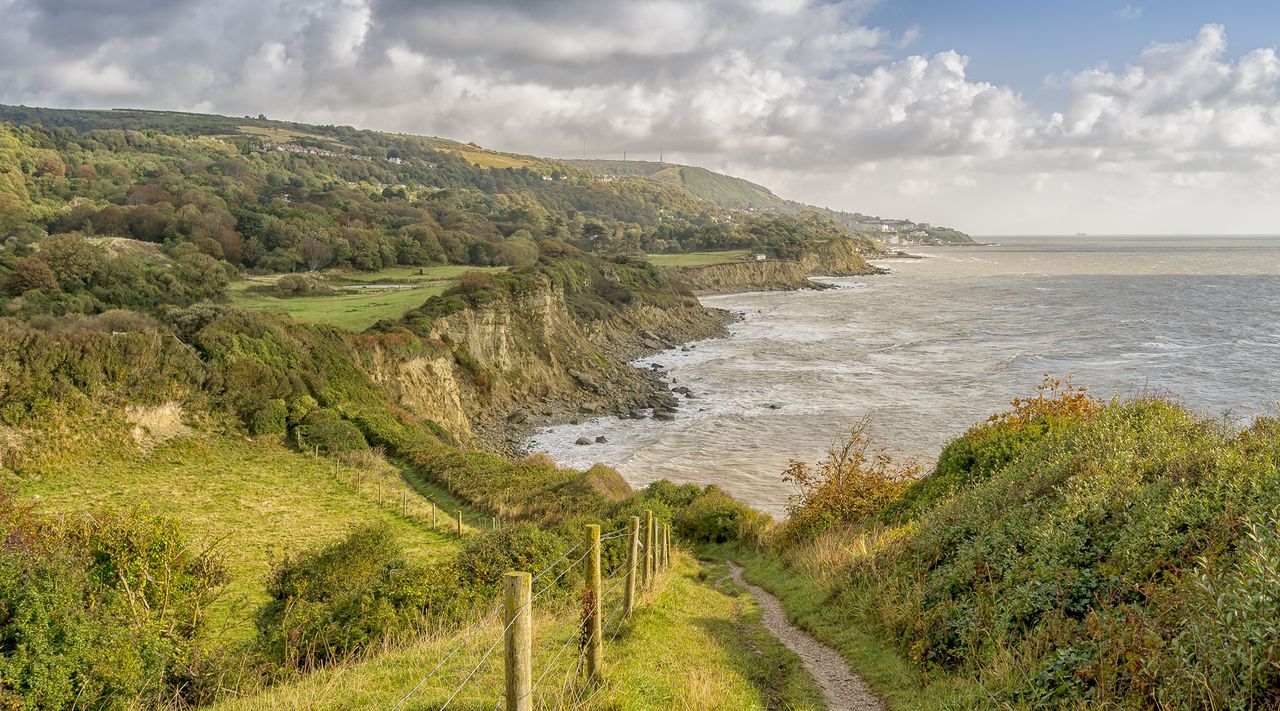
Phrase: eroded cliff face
x=485 y=374
x=426 y=385
x=836 y=258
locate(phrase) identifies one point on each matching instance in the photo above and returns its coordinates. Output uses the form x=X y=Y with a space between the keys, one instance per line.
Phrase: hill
x=737 y=194
x=124 y=209
x=267 y=486
x=716 y=188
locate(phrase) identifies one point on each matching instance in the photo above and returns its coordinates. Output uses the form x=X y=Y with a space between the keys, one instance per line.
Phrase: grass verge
x=820 y=611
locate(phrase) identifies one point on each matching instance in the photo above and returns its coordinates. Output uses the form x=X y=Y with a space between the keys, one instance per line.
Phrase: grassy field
x=697 y=259
x=483 y=157
x=356 y=309
x=691 y=645
x=253 y=500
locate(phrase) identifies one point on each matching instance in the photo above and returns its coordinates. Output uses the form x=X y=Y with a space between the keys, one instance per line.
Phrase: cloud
x=1129 y=12
x=1181 y=104
x=805 y=96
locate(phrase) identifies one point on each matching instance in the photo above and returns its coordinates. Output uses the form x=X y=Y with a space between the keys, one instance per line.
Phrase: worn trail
x=842 y=690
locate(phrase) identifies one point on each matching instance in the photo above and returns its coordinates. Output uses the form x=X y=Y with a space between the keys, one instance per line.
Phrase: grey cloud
x=767 y=87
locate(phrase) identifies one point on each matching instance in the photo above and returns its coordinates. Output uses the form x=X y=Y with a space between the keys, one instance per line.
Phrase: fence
x=608 y=600
x=381 y=483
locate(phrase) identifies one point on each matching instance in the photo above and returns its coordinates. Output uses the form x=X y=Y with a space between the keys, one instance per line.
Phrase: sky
x=991 y=116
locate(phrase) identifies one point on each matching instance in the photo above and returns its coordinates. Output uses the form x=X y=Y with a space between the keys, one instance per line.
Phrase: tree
x=31 y=274
x=316 y=253
x=73 y=260
x=147 y=223
x=517 y=251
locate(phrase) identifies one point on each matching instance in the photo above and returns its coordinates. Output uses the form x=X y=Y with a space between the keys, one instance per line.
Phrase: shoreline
x=656 y=375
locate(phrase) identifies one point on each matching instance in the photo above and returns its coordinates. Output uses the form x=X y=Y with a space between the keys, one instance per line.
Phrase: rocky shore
x=642 y=392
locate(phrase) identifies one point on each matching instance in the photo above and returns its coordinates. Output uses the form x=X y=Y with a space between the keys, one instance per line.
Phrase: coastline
x=662 y=388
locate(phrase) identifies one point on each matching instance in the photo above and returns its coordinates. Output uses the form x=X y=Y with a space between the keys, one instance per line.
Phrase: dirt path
x=842 y=690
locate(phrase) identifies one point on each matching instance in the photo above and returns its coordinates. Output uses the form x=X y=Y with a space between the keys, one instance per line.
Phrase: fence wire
x=574 y=631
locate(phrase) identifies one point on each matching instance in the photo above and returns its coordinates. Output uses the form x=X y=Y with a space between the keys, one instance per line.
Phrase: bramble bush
x=101 y=611
x=330 y=602
x=271 y=418
x=715 y=517
x=987 y=447
x=487 y=557
x=1125 y=560
x=325 y=430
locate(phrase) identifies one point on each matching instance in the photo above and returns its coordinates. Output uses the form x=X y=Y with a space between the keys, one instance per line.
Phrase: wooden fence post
x=633 y=561
x=649 y=560
x=433 y=514
x=593 y=624
x=662 y=547
x=666 y=546
x=518 y=662
x=459 y=523
x=404 y=504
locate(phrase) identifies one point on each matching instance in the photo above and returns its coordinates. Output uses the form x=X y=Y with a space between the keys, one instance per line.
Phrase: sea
x=944 y=341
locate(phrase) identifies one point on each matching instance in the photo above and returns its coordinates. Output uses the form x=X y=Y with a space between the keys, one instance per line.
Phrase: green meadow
x=393 y=292
x=697 y=259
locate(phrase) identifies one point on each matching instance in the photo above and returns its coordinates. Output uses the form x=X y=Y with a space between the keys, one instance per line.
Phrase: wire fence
x=561 y=655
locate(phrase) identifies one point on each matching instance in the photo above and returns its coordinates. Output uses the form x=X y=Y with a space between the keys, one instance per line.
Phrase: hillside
x=737 y=194
x=251 y=371
x=259 y=480
x=716 y=188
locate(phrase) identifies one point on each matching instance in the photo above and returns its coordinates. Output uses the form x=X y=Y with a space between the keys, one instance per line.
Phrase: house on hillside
x=760 y=257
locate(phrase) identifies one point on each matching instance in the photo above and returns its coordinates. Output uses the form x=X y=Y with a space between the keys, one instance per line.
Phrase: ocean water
x=945 y=341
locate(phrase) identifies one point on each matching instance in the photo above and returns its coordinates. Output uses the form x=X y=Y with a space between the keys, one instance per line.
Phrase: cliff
x=488 y=373
x=834 y=258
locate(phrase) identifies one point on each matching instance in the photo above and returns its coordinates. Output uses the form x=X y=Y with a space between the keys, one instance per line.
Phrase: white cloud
x=1129 y=12
x=803 y=96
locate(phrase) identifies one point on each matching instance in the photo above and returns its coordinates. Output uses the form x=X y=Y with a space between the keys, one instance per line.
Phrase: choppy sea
x=944 y=341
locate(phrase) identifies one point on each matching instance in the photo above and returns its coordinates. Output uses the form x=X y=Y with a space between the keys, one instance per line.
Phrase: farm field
x=697 y=259
x=384 y=294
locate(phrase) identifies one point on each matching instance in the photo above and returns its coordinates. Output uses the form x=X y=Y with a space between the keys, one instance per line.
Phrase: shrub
x=486 y=558
x=293 y=285
x=332 y=601
x=31 y=274
x=1229 y=648
x=326 y=431
x=852 y=483
x=271 y=418
x=1127 y=560
x=987 y=447
x=716 y=517
x=102 y=612
x=299 y=407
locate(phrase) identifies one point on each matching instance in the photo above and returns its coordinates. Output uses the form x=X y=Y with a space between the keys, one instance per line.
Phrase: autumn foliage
x=855 y=480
